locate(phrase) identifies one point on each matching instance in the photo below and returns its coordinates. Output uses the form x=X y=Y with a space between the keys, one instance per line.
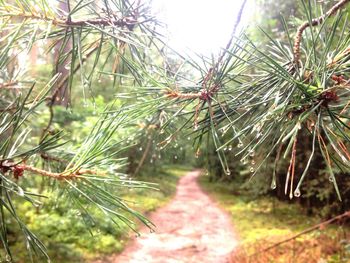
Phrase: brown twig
x=144 y=155
x=9 y=85
x=63 y=175
x=308 y=230
x=294 y=151
x=181 y=95
x=18 y=170
x=314 y=22
x=291 y=169
x=128 y=22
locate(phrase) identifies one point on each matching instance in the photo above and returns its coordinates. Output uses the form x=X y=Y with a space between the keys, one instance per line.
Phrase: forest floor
x=190 y=228
x=262 y=221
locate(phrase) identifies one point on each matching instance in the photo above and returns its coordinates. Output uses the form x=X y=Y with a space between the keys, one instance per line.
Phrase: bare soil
x=191 y=228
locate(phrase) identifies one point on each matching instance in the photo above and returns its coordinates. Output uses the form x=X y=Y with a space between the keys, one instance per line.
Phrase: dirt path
x=191 y=228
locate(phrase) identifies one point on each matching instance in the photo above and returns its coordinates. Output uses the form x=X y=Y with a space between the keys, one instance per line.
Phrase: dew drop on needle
x=273 y=184
x=297 y=192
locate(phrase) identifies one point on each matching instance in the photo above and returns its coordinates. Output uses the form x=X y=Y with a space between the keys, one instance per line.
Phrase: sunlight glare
x=203 y=26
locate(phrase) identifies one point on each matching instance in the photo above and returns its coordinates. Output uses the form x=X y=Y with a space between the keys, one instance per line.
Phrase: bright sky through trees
x=203 y=26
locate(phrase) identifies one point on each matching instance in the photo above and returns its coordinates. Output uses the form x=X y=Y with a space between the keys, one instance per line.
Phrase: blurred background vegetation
x=259 y=210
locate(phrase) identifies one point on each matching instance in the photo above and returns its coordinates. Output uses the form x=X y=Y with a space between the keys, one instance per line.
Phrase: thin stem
x=308 y=230
x=9 y=85
x=128 y=22
x=314 y=22
x=64 y=175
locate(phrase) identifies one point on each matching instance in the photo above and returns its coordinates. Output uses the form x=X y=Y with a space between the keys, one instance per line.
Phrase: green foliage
x=79 y=153
x=268 y=220
x=69 y=235
x=118 y=101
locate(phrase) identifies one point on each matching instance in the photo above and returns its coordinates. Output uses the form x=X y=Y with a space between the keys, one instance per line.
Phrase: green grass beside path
x=262 y=221
x=68 y=239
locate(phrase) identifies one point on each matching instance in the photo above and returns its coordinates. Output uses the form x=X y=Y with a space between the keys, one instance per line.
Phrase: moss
x=264 y=218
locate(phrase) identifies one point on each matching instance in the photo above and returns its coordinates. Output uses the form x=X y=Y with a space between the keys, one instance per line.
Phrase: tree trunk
x=61 y=93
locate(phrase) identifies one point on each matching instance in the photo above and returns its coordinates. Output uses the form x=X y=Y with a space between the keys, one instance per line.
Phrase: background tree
x=252 y=103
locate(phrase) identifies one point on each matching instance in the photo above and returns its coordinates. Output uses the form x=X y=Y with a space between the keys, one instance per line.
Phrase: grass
x=68 y=239
x=261 y=222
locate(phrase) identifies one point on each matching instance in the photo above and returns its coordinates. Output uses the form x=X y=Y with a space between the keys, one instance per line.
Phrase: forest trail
x=191 y=228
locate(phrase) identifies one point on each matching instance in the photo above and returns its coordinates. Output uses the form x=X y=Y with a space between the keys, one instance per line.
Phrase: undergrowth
x=68 y=238
x=260 y=223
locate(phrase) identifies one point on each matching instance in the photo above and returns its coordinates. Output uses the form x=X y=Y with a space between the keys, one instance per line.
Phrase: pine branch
x=60 y=176
x=209 y=90
x=9 y=85
x=18 y=171
x=314 y=22
x=128 y=22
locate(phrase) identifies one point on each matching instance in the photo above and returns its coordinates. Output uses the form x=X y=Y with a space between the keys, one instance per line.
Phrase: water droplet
x=99 y=80
x=20 y=191
x=251 y=153
x=228 y=172
x=253 y=162
x=140 y=149
x=230 y=148
x=252 y=169
x=290 y=195
x=331 y=179
x=189 y=138
x=240 y=145
x=8 y=258
x=175 y=157
x=297 y=192
x=273 y=184
x=343 y=159
x=159 y=156
x=197 y=153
